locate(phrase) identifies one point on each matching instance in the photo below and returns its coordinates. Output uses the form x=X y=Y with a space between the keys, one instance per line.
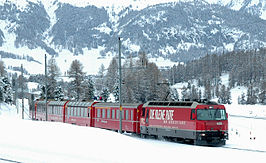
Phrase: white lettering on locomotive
x=161 y=114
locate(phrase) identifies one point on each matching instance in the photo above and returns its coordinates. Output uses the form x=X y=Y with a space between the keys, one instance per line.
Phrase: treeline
x=245 y=68
x=15 y=56
x=141 y=81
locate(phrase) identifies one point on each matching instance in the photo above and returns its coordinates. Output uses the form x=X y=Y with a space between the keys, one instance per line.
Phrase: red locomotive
x=200 y=122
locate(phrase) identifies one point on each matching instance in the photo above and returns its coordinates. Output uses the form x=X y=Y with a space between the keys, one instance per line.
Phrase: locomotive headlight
x=202 y=134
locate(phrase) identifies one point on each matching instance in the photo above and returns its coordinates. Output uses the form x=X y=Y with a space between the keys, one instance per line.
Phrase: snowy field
x=47 y=142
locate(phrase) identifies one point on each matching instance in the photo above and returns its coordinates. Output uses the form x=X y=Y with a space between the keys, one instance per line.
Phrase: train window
x=117 y=114
x=73 y=111
x=126 y=114
x=85 y=112
x=78 y=112
x=113 y=114
x=143 y=112
x=132 y=115
x=123 y=115
x=103 y=113
x=98 y=113
x=108 y=113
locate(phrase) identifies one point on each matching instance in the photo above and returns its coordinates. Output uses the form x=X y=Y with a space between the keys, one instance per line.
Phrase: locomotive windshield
x=211 y=114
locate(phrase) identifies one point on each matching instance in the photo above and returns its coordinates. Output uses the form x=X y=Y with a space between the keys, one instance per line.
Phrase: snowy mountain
x=177 y=30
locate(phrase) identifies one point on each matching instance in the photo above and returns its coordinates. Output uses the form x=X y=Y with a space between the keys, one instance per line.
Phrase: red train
x=200 y=122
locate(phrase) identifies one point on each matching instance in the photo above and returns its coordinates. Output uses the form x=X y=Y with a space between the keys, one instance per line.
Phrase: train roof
x=186 y=104
x=79 y=103
x=56 y=102
x=126 y=105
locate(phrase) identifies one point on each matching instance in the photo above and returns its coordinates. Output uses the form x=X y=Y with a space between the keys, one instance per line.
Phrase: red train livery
x=200 y=122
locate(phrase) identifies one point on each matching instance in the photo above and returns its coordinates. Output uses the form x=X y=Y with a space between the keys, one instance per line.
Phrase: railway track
x=8 y=160
x=244 y=149
x=240 y=116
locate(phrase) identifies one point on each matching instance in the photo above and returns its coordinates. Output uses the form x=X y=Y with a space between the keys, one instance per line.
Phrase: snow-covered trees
x=77 y=75
x=224 y=96
x=142 y=81
x=6 y=92
x=54 y=91
x=244 y=68
x=81 y=86
x=112 y=75
x=88 y=89
x=2 y=69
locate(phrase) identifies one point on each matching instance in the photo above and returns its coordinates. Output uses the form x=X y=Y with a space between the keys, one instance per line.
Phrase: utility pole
x=22 y=91
x=120 y=86
x=46 y=111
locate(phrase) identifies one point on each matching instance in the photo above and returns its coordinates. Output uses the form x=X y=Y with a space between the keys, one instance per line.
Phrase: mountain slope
x=180 y=31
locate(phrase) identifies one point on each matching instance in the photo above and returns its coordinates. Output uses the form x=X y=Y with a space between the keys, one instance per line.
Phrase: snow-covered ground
x=47 y=142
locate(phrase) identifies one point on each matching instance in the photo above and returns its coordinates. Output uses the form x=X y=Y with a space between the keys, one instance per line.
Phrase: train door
x=144 y=122
x=147 y=118
x=92 y=116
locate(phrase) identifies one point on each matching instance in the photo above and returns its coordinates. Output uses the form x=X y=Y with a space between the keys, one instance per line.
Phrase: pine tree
x=251 y=95
x=6 y=92
x=242 y=99
x=105 y=94
x=228 y=96
x=2 y=69
x=100 y=81
x=58 y=93
x=116 y=92
x=77 y=75
x=112 y=75
x=207 y=93
x=88 y=89
x=52 y=75
x=222 y=95
x=262 y=94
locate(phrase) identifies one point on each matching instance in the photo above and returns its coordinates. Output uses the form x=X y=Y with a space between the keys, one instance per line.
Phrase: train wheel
x=143 y=136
